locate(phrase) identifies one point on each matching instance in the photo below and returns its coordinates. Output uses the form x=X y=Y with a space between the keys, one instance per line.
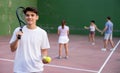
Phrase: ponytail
x=63 y=23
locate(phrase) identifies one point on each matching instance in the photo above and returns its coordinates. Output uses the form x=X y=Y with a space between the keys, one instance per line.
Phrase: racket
x=20 y=16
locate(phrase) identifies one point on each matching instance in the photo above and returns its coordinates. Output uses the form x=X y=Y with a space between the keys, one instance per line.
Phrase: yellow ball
x=47 y=59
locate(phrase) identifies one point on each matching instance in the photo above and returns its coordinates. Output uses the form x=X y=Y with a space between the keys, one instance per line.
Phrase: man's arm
x=105 y=29
x=44 y=52
x=97 y=29
x=14 y=45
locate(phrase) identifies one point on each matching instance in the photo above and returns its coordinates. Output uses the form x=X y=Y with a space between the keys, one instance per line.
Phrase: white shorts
x=108 y=36
x=63 y=39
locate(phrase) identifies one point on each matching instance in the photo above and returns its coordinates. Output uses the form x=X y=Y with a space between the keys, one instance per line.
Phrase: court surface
x=83 y=56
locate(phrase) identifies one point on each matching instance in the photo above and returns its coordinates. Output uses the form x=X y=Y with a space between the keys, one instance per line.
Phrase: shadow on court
x=83 y=56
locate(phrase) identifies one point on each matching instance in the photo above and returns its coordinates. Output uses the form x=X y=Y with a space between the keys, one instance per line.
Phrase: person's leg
x=93 y=38
x=105 y=43
x=106 y=37
x=66 y=49
x=60 y=50
x=89 y=37
x=112 y=43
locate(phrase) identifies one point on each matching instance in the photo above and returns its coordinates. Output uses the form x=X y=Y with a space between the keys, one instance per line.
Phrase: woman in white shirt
x=63 y=32
x=92 y=29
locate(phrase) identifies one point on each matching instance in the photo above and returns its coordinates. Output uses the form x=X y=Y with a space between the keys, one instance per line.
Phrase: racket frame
x=21 y=22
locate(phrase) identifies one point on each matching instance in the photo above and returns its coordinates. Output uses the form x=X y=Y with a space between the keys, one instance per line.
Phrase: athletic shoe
x=59 y=57
x=103 y=49
x=93 y=43
x=111 y=49
x=66 y=57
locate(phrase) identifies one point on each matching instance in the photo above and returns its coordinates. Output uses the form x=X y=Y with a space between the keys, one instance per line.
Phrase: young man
x=108 y=34
x=32 y=45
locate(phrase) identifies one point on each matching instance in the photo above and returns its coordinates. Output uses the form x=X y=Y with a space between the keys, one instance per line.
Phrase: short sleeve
x=13 y=38
x=45 y=41
x=59 y=27
x=67 y=28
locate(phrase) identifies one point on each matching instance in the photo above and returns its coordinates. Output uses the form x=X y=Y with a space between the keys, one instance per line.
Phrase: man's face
x=31 y=17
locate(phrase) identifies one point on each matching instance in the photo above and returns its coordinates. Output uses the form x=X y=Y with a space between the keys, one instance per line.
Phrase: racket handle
x=19 y=36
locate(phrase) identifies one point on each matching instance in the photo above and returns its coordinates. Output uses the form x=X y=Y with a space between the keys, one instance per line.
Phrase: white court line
x=3 y=59
x=100 y=70
x=65 y=67
x=85 y=70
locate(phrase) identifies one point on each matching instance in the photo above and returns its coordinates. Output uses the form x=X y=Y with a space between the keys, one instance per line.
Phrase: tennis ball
x=46 y=59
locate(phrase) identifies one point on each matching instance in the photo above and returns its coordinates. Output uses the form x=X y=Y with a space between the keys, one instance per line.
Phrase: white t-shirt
x=92 y=28
x=28 y=54
x=63 y=32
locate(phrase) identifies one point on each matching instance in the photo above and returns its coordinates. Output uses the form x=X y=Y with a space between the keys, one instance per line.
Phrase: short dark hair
x=92 y=21
x=109 y=18
x=30 y=9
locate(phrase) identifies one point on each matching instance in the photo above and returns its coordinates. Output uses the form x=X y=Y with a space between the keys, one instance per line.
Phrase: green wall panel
x=8 y=20
x=78 y=13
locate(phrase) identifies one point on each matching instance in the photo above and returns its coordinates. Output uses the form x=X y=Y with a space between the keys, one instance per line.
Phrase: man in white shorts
x=108 y=34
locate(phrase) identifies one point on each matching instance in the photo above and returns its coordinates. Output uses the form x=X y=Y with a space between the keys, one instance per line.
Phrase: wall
x=78 y=13
x=8 y=20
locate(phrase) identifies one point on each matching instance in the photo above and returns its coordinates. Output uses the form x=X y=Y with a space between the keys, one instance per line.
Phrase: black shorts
x=92 y=32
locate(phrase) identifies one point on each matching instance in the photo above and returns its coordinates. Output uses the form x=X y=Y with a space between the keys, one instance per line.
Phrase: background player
x=92 y=29
x=108 y=34
x=63 y=32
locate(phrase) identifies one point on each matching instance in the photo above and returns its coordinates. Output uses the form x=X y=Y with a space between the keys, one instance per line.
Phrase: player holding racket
x=92 y=29
x=63 y=32
x=32 y=45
